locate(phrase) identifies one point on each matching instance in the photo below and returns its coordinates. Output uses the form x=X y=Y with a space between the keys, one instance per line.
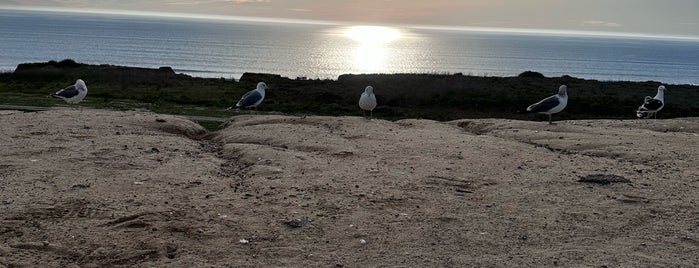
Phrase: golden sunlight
x=372 y=34
x=370 y=54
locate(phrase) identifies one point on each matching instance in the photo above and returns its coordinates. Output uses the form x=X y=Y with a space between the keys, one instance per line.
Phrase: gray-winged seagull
x=368 y=101
x=253 y=97
x=72 y=94
x=552 y=104
x=651 y=106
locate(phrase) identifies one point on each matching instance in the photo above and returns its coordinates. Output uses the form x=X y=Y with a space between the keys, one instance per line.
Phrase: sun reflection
x=371 y=54
x=372 y=34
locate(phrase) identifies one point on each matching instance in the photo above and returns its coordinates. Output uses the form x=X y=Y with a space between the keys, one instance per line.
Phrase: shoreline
x=237 y=76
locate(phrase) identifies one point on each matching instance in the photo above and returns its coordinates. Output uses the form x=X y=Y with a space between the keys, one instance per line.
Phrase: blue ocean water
x=209 y=48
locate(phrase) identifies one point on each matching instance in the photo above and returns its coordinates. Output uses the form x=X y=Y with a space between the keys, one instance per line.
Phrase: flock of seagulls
x=367 y=100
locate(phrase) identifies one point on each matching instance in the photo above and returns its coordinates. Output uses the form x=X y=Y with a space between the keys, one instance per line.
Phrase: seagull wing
x=544 y=105
x=250 y=98
x=66 y=93
x=653 y=104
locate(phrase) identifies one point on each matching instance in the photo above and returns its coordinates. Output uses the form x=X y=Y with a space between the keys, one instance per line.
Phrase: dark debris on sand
x=603 y=179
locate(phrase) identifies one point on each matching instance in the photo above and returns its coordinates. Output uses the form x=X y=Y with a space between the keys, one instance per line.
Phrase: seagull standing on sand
x=552 y=104
x=368 y=101
x=253 y=97
x=72 y=94
x=651 y=106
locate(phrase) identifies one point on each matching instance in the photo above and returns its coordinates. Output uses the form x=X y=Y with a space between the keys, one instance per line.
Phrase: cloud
x=246 y=1
x=300 y=10
x=599 y=23
x=218 y=1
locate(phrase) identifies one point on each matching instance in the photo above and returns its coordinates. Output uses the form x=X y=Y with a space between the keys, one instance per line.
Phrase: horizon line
x=195 y=16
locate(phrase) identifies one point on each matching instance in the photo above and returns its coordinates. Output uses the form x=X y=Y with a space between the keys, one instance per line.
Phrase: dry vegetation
x=429 y=96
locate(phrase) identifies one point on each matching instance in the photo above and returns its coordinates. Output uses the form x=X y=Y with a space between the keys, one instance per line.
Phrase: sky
x=647 y=17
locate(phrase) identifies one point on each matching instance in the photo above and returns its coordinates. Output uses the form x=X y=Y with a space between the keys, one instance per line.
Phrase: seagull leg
x=550 y=119
x=371 y=114
x=83 y=117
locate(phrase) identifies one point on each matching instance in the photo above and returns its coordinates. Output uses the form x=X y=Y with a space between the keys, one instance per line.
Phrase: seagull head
x=261 y=86
x=369 y=90
x=80 y=85
x=562 y=90
x=661 y=88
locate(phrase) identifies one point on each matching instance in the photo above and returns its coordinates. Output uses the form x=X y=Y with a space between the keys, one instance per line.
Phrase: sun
x=371 y=51
x=373 y=34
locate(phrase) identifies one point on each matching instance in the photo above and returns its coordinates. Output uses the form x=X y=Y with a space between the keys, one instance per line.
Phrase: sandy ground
x=137 y=189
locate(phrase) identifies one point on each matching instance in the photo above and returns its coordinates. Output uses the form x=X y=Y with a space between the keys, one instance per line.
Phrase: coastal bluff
x=96 y=188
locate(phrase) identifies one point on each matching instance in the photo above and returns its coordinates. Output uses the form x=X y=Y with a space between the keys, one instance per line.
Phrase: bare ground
x=124 y=189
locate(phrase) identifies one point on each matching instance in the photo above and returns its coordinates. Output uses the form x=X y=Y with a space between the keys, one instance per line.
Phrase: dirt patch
x=114 y=189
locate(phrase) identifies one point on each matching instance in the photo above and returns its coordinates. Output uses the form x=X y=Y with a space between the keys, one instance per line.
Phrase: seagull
x=651 y=106
x=253 y=97
x=72 y=94
x=368 y=101
x=552 y=104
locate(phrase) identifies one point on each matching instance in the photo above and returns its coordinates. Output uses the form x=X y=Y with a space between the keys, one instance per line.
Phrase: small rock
x=80 y=186
x=295 y=223
x=362 y=241
x=160 y=120
x=243 y=241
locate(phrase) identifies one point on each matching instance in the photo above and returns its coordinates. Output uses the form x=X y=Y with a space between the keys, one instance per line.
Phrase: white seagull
x=253 y=97
x=651 y=106
x=72 y=94
x=552 y=104
x=368 y=101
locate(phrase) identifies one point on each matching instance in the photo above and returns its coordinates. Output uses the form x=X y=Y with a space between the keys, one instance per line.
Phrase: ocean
x=227 y=49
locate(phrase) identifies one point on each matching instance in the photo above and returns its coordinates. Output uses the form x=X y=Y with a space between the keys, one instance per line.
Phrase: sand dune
x=147 y=190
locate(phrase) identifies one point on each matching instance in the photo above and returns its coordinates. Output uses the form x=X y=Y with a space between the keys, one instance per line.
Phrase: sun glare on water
x=371 y=54
x=372 y=34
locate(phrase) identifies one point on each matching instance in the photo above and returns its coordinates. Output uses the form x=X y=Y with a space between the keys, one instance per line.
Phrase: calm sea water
x=228 y=49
